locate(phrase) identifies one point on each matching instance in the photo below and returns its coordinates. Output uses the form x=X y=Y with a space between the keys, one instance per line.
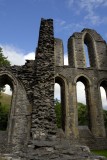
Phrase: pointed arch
x=61 y=82
x=85 y=80
x=19 y=110
x=89 y=50
x=103 y=85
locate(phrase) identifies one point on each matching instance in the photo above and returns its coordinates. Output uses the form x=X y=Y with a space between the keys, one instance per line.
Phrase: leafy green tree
x=82 y=114
x=58 y=113
x=4 y=109
x=3 y=60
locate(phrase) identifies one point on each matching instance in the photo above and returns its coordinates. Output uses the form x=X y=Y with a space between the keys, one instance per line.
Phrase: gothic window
x=83 y=105
x=103 y=91
x=5 y=101
x=89 y=51
x=60 y=95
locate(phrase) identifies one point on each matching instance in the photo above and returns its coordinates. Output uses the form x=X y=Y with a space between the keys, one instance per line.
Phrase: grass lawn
x=5 y=99
x=100 y=152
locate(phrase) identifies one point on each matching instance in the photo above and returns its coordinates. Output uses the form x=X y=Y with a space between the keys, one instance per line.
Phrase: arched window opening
x=103 y=91
x=103 y=98
x=86 y=55
x=89 y=51
x=5 y=101
x=83 y=102
x=59 y=96
x=81 y=89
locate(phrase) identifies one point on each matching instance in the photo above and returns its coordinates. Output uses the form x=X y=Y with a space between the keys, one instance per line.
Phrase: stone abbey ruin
x=32 y=133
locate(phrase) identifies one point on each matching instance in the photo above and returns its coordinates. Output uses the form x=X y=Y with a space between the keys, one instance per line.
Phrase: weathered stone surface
x=32 y=133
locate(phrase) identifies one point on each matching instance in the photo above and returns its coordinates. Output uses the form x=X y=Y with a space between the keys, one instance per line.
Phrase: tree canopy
x=3 y=60
x=4 y=109
x=82 y=114
x=58 y=113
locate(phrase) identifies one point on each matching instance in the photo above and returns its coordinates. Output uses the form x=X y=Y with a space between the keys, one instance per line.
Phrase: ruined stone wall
x=92 y=77
x=43 y=112
x=96 y=49
x=32 y=130
x=20 y=79
x=58 y=52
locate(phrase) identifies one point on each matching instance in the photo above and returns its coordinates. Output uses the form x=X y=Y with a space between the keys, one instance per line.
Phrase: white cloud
x=65 y=59
x=15 y=55
x=81 y=92
x=103 y=97
x=87 y=3
x=8 y=90
x=30 y=56
x=89 y=7
x=57 y=91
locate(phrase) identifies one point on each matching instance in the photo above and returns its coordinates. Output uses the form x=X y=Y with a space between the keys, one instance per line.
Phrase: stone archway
x=61 y=82
x=103 y=83
x=20 y=112
x=89 y=42
x=86 y=83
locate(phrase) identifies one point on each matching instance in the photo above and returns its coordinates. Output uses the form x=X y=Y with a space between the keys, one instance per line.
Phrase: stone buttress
x=43 y=113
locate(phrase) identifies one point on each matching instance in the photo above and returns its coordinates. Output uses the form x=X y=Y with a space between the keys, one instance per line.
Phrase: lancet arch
x=19 y=111
x=61 y=82
x=85 y=80
x=89 y=50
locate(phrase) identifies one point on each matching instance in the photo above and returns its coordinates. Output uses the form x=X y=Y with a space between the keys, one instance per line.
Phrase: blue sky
x=20 y=21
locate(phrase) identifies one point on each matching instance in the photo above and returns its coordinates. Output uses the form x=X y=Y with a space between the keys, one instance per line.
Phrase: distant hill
x=5 y=99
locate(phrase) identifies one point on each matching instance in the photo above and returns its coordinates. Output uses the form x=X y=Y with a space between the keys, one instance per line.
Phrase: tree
x=4 y=109
x=58 y=113
x=82 y=114
x=3 y=60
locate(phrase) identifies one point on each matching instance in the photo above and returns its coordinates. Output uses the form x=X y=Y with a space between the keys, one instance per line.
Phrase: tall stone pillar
x=73 y=114
x=76 y=56
x=43 y=112
x=59 y=52
x=96 y=113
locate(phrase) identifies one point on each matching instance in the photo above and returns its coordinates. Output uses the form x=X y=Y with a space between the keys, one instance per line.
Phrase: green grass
x=100 y=152
x=5 y=99
x=2 y=158
x=5 y=104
